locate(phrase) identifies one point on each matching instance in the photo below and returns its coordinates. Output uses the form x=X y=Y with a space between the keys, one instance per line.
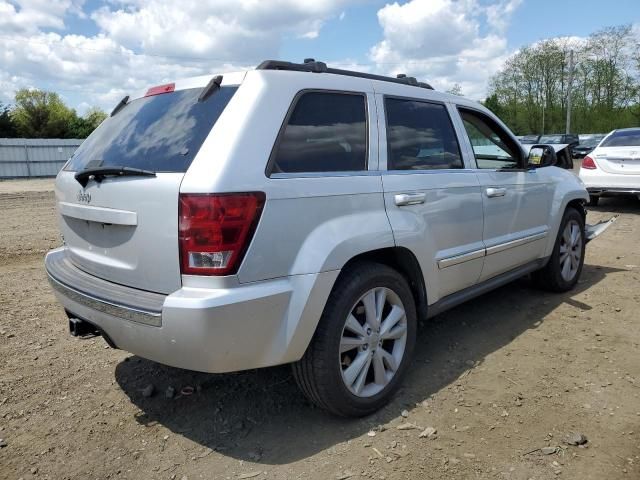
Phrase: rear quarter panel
x=310 y=223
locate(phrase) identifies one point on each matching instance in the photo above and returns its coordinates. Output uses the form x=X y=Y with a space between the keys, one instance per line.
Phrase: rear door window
x=420 y=136
x=325 y=132
x=162 y=133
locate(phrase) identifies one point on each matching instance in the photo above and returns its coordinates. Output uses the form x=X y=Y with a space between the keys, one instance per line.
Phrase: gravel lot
x=499 y=377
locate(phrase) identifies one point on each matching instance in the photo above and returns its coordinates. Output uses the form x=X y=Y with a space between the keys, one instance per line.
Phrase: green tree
x=493 y=104
x=7 y=127
x=40 y=114
x=81 y=127
x=531 y=90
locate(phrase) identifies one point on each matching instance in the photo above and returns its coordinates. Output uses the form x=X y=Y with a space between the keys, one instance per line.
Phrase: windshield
x=551 y=139
x=591 y=141
x=161 y=133
x=623 y=138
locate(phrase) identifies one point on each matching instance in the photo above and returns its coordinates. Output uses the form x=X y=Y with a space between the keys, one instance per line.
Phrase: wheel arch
x=405 y=262
x=576 y=200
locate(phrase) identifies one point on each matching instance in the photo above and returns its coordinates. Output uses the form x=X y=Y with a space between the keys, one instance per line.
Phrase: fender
x=568 y=188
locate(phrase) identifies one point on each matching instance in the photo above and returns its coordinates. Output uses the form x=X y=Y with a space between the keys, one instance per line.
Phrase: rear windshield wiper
x=100 y=173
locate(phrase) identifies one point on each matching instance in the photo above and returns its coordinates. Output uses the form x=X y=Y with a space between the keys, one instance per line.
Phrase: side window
x=492 y=147
x=420 y=136
x=326 y=132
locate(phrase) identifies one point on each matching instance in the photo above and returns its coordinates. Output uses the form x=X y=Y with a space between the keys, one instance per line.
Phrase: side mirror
x=542 y=156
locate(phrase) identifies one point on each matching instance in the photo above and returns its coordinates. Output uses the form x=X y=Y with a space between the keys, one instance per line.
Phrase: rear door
x=125 y=229
x=432 y=199
x=516 y=201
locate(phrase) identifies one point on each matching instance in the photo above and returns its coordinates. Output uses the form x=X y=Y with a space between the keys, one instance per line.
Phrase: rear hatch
x=619 y=160
x=619 y=152
x=125 y=228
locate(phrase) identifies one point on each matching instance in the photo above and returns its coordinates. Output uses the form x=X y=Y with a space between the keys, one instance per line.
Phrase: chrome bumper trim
x=126 y=313
x=621 y=190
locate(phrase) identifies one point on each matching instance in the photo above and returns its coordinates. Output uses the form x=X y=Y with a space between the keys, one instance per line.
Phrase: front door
x=516 y=200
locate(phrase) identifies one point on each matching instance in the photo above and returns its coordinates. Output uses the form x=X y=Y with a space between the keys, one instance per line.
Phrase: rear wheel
x=363 y=343
x=593 y=200
x=565 y=265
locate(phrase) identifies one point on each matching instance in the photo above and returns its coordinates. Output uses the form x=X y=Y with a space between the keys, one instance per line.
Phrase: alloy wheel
x=373 y=342
x=570 y=250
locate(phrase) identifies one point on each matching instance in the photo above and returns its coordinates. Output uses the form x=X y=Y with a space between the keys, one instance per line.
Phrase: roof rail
x=310 y=65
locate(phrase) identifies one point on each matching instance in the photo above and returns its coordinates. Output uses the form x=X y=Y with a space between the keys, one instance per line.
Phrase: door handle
x=402 y=199
x=496 y=192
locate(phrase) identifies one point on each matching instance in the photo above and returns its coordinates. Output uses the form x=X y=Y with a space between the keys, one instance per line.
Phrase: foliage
x=41 y=114
x=456 y=90
x=530 y=93
x=7 y=127
x=81 y=127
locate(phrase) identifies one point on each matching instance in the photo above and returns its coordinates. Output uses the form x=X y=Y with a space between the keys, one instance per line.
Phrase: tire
x=324 y=374
x=593 y=200
x=555 y=276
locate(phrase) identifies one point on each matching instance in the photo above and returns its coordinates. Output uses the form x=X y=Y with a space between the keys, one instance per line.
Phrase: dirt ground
x=499 y=377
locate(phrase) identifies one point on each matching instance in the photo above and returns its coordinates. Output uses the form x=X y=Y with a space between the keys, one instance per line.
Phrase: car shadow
x=618 y=204
x=260 y=415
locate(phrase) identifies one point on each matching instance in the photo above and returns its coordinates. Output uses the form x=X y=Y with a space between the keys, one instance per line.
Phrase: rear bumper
x=210 y=330
x=598 y=183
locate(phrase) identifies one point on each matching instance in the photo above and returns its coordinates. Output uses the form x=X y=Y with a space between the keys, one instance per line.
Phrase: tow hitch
x=592 y=231
x=80 y=328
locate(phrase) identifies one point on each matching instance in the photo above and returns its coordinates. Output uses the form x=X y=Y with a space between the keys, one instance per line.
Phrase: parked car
x=301 y=214
x=613 y=167
x=560 y=138
x=529 y=139
x=587 y=144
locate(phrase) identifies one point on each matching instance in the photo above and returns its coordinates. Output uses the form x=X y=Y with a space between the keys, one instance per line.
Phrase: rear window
x=326 y=132
x=623 y=138
x=420 y=136
x=162 y=133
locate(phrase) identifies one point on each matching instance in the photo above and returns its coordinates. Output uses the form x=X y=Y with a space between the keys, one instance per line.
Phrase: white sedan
x=613 y=167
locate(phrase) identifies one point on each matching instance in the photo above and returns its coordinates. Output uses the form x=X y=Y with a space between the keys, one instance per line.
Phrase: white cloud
x=143 y=42
x=225 y=29
x=30 y=15
x=440 y=41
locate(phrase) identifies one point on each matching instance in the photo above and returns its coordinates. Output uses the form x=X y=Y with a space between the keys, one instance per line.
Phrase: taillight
x=215 y=230
x=588 y=163
x=160 y=89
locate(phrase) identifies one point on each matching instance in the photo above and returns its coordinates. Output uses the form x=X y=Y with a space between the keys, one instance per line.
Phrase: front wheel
x=565 y=265
x=363 y=343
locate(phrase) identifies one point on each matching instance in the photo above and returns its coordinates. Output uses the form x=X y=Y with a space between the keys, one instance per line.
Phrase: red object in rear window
x=167 y=88
x=588 y=163
x=214 y=231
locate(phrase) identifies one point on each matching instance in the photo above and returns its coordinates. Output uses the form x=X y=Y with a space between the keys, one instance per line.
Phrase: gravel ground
x=499 y=377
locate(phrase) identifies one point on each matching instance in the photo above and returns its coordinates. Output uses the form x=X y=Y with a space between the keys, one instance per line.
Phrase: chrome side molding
x=483 y=252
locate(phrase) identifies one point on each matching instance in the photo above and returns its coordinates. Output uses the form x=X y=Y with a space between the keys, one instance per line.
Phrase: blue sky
x=95 y=51
x=533 y=20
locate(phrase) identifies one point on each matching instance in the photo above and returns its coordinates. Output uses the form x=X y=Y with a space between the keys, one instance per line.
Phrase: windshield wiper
x=100 y=173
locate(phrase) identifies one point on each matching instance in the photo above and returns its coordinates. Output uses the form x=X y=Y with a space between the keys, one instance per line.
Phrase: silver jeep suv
x=301 y=214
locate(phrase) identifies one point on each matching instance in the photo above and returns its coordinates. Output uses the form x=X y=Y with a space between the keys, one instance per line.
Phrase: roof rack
x=310 y=65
